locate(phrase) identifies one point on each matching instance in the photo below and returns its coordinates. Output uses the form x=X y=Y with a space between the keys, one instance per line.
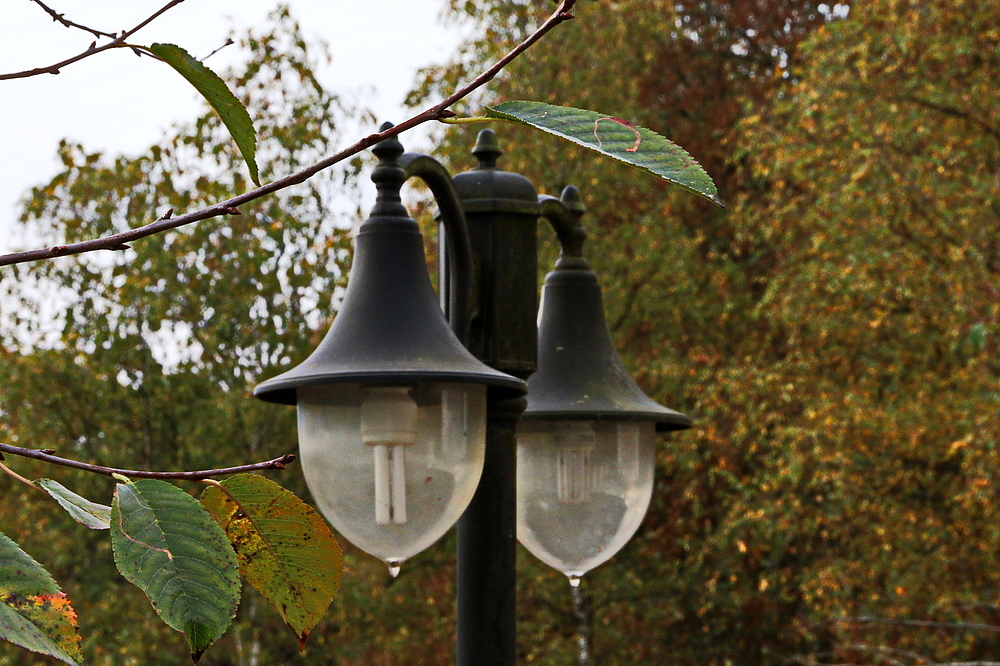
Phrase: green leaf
x=93 y=515
x=34 y=613
x=168 y=545
x=233 y=114
x=615 y=137
x=285 y=549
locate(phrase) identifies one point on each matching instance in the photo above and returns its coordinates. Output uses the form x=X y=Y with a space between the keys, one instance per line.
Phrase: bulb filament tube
x=390 y=484
x=388 y=425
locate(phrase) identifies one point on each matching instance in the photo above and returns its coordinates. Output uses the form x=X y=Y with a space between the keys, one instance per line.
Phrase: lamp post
x=408 y=420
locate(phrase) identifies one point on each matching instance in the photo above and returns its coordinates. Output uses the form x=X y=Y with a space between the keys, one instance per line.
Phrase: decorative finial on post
x=487 y=150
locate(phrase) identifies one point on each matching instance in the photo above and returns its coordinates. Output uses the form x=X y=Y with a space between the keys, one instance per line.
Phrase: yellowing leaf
x=284 y=548
x=34 y=613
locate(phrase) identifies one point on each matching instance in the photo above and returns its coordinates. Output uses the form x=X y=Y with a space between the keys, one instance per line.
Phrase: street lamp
x=391 y=406
x=402 y=429
x=585 y=454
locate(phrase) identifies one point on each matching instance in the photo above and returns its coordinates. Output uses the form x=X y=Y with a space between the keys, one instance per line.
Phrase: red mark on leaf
x=121 y=526
x=623 y=123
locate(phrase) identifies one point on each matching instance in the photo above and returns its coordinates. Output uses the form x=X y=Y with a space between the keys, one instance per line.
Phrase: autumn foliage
x=833 y=333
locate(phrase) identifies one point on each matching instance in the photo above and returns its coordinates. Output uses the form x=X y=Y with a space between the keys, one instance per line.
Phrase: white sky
x=117 y=102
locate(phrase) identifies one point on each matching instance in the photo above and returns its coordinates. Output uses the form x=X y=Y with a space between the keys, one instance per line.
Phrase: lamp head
x=586 y=443
x=391 y=406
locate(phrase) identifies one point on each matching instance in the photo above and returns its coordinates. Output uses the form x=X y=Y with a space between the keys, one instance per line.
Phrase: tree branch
x=927 y=624
x=46 y=455
x=230 y=206
x=61 y=18
x=118 y=42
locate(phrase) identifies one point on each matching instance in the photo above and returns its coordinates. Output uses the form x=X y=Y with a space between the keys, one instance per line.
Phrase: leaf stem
x=45 y=456
x=9 y=472
x=467 y=120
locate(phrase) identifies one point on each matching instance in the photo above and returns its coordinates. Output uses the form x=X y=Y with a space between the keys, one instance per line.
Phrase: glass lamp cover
x=392 y=468
x=583 y=488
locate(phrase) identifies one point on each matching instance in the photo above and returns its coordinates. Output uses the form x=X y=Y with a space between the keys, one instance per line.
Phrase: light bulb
x=573 y=474
x=583 y=488
x=389 y=425
x=392 y=467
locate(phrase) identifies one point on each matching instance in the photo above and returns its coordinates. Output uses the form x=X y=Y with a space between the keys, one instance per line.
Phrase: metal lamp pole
x=501 y=212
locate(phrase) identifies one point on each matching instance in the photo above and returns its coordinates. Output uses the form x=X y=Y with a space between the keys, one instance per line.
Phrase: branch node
x=446 y=113
x=48 y=452
x=232 y=210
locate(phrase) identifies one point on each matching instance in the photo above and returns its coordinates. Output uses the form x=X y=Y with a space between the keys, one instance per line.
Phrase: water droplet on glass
x=393 y=567
x=574 y=580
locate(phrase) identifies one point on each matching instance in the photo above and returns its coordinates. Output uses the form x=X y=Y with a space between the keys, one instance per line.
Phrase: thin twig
x=928 y=624
x=229 y=42
x=47 y=456
x=61 y=18
x=885 y=651
x=439 y=111
x=11 y=473
x=118 y=42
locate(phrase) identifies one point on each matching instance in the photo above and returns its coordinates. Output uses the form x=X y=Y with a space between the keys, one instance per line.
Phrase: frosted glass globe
x=583 y=488
x=392 y=467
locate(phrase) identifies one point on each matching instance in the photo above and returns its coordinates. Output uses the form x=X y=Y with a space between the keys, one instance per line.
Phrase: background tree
x=152 y=353
x=831 y=334
x=875 y=197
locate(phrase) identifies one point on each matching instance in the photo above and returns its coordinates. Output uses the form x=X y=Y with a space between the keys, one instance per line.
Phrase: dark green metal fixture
x=580 y=375
x=397 y=419
x=389 y=328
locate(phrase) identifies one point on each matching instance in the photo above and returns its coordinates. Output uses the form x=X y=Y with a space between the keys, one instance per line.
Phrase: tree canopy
x=144 y=358
x=830 y=333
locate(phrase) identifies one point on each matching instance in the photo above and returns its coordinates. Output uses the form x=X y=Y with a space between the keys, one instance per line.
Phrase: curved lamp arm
x=459 y=284
x=564 y=215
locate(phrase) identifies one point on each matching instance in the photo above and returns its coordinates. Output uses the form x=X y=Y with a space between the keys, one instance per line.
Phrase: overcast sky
x=117 y=102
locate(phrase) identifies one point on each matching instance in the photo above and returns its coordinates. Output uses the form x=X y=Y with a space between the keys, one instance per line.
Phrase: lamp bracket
x=459 y=280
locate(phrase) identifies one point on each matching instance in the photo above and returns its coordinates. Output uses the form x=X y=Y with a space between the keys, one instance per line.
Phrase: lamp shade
x=580 y=375
x=586 y=441
x=391 y=406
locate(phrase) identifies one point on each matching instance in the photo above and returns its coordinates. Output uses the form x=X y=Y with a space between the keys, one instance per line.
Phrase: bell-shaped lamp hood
x=580 y=375
x=390 y=328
